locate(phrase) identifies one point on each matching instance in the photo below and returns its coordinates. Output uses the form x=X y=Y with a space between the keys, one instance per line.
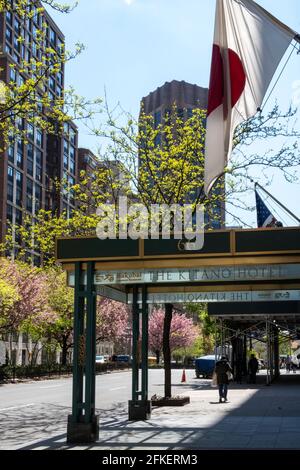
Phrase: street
x=34 y=415
x=110 y=389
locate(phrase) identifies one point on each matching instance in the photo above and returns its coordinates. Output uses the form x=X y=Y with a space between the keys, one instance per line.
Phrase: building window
x=51 y=96
x=12 y=74
x=30 y=131
x=66 y=147
x=17 y=44
x=29 y=192
x=71 y=180
x=72 y=152
x=38 y=173
x=52 y=37
x=59 y=91
x=8 y=34
x=39 y=138
x=27 y=55
x=9 y=213
x=11 y=153
x=9 y=17
x=34 y=31
x=59 y=78
x=38 y=157
x=72 y=166
x=34 y=48
x=52 y=83
x=20 y=80
x=17 y=26
x=72 y=137
x=30 y=159
x=65 y=161
x=19 y=159
x=10 y=173
x=19 y=180
x=8 y=49
x=38 y=197
x=18 y=217
x=60 y=44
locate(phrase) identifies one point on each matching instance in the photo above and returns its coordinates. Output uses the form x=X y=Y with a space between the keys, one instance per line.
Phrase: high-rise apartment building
x=29 y=166
x=185 y=97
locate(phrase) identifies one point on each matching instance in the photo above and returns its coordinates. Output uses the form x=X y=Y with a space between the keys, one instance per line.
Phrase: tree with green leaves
x=26 y=99
x=8 y=296
x=60 y=299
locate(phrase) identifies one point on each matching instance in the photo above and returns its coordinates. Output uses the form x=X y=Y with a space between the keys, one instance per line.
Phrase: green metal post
x=78 y=351
x=139 y=408
x=84 y=428
x=276 y=352
x=144 y=344
x=135 y=339
x=90 y=367
x=245 y=365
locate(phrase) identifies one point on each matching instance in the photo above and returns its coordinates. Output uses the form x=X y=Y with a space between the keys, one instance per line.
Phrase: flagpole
x=278 y=202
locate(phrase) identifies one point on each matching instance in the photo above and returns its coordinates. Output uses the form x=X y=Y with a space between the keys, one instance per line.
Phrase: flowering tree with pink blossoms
x=30 y=287
x=28 y=310
x=112 y=320
x=182 y=332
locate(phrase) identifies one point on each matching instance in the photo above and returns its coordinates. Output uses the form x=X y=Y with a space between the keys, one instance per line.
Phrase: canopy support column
x=83 y=424
x=139 y=407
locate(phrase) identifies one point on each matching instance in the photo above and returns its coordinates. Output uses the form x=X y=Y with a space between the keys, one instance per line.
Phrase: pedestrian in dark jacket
x=222 y=368
x=253 y=368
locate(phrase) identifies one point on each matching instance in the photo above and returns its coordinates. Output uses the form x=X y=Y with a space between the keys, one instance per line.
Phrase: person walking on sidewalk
x=252 y=368
x=222 y=371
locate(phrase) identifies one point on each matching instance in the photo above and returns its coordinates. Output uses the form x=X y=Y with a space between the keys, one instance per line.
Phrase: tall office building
x=185 y=97
x=28 y=167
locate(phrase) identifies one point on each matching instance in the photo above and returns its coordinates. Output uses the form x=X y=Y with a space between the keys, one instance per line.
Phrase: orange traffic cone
x=183 y=377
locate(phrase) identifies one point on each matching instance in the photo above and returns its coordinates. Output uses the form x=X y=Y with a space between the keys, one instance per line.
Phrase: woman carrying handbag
x=224 y=374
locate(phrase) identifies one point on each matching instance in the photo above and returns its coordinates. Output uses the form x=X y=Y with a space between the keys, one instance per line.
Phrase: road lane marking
x=16 y=407
x=52 y=386
x=116 y=388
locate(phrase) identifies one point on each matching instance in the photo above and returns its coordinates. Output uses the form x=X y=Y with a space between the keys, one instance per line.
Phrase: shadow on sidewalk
x=268 y=418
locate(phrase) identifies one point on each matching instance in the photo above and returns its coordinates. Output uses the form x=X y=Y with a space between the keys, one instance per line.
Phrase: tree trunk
x=64 y=351
x=157 y=353
x=166 y=349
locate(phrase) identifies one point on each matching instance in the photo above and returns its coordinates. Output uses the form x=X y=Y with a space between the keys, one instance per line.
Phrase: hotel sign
x=205 y=274
x=232 y=296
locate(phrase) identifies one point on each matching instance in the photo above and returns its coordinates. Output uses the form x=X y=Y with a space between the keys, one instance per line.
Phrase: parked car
x=123 y=358
x=100 y=360
x=204 y=366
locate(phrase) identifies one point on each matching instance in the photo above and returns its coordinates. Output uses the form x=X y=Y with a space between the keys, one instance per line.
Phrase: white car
x=100 y=360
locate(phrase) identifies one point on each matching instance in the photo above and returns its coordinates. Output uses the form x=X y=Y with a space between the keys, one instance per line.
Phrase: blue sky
x=134 y=46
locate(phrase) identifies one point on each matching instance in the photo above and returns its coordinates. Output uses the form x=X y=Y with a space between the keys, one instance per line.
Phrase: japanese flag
x=248 y=46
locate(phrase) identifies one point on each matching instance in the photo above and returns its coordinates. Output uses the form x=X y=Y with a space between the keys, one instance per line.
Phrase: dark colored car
x=123 y=358
x=204 y=366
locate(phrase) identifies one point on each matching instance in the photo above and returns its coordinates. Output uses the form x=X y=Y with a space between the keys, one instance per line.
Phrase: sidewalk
x=256 y=417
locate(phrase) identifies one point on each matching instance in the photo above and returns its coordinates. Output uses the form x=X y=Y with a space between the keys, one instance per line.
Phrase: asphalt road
x=110 y=389
x=35 y=410
x=33 y=415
